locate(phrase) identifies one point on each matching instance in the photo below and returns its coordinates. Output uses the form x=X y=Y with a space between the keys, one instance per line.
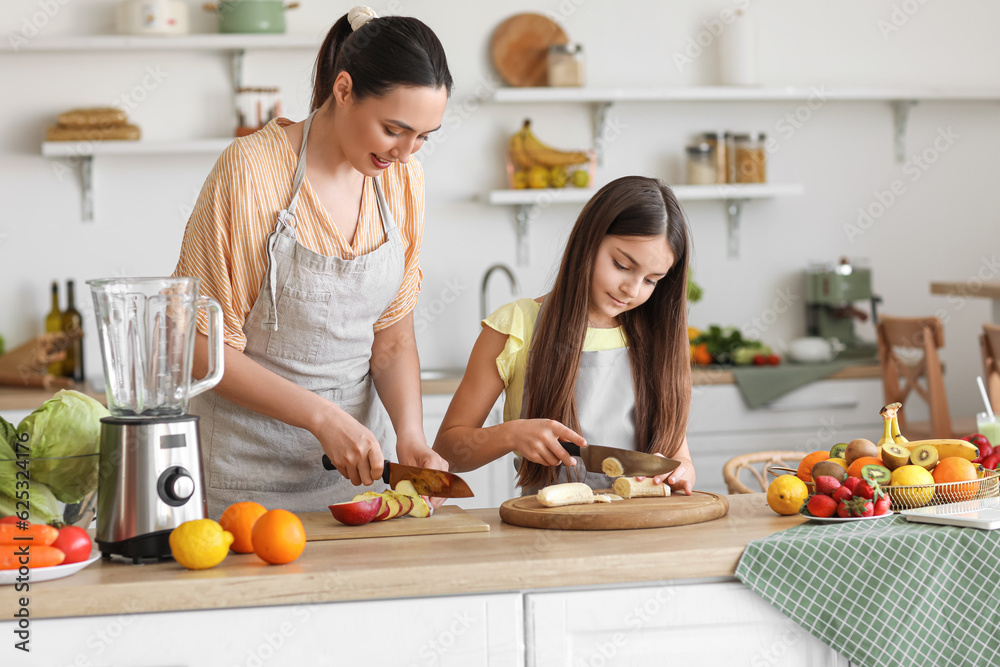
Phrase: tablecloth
x=762 y=384
x=886 y=592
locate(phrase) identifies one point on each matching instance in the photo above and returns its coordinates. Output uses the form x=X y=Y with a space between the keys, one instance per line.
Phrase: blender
x=150 y=464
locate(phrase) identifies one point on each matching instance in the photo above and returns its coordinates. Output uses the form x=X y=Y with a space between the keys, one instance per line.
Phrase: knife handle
x=571 y=448
x=328 y=464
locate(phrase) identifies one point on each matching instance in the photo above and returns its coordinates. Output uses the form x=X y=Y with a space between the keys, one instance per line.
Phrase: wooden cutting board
x=448 y=519
x=631 y=513
x=520 y=48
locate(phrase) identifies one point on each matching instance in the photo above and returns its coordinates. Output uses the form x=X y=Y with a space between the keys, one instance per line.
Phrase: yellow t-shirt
x=517 y=320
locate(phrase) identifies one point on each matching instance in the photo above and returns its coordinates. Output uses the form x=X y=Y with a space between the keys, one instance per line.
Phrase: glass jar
x=718 y=154
x=701 y=166
x=750 y=160
x=566 y=65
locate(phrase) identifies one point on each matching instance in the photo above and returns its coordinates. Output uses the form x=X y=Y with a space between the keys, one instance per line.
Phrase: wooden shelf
x=86 y=148
x=202 y=42
x=744 y=94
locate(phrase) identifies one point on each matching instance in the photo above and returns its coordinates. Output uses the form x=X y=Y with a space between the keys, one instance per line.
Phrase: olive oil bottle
x=72 y=326
x=53 y=325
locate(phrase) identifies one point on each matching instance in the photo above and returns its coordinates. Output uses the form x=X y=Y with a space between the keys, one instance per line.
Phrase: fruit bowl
x=73 y=477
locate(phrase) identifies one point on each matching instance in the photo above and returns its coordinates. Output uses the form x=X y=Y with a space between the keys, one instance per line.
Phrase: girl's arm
x=463 y=440
x=682 y=478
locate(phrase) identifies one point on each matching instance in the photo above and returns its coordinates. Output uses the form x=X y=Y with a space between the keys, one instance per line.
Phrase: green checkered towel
x=885 y=592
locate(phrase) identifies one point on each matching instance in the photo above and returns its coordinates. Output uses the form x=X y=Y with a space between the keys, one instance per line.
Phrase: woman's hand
x=351 y=447
x=538 y=440
x=679 y=479
x=413 y=451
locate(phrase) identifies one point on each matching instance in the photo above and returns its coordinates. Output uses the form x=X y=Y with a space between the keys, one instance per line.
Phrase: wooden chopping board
x=631 y=513
x=520 y=48
x=448 y=519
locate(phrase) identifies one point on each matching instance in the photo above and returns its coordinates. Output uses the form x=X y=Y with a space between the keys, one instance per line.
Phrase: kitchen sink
x=427 y=374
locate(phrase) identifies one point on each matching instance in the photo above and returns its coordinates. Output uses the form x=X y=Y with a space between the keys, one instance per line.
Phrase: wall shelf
x=530 y=203
x=202 y=42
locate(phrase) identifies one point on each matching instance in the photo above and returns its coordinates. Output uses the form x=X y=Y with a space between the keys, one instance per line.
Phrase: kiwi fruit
x=838 y=450
x=925 y=456
x=860 y=447
x=876 y=473
x=895 y=456
x=830 y=469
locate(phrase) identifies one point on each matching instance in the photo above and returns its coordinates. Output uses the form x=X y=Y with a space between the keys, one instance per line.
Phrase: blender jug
x=146 y=328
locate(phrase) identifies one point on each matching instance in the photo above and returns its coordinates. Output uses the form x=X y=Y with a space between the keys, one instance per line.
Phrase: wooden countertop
x=709 y=375
x=508 y=558
x=968 y=288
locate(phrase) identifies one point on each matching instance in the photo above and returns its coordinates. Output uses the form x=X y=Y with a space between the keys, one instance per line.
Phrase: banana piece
x=888 y=413
x=628 y=487
x=947 y=447
x=570 y=493
x=896 y=435
x=612 y=467
x=518 y=154
x=527 y=150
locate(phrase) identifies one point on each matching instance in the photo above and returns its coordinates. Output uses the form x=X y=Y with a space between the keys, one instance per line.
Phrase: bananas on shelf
x=535 y=164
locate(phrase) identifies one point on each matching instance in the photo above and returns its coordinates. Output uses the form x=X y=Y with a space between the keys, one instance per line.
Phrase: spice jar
x=566 y=65
x=750 y=160
x=718 y=155
x=701 y=169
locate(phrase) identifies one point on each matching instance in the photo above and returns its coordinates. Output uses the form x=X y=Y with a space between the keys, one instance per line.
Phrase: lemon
x=200 y=544
x=911 y=475
x=786 y=494
x=841 y=462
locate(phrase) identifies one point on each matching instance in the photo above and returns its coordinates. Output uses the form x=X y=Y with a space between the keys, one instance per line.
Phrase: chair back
x=907 y=351
x=733 y=467
x=989 y=344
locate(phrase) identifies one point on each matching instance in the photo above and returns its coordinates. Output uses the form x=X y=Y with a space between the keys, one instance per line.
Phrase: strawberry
x=852 y=482
x=821 y=505
x=864 y=490
x=842 y=493
x=843 y=510
x=864 y=508
x=826 y=485
x=882 y=506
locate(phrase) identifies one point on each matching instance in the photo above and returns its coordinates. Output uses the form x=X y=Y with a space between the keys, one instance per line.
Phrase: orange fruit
x=854 y=470
x=806 y=465
x=239 y=519
x=956 y=469
x=279 y=537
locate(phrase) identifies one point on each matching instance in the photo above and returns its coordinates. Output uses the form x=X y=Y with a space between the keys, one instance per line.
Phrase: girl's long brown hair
x=656 y=331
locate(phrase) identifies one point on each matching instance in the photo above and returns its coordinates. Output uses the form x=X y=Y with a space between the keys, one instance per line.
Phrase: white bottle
x=738 y=52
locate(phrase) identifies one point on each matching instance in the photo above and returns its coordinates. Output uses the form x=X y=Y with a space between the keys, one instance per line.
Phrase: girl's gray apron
x=605 y=406
x=312 y=323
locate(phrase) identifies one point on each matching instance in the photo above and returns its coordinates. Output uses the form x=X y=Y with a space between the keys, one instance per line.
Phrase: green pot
x=251 y=16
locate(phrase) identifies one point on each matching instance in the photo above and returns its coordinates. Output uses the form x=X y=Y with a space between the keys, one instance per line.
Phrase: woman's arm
x=467 y=445
x=681 y=478
x=351 y=447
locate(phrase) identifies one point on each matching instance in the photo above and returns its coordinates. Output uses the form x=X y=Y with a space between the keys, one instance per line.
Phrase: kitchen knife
x=633 y=463
x=427 y=481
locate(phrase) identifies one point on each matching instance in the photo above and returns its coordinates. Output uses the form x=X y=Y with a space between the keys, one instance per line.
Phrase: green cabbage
x=68 y=424
x=42 y=504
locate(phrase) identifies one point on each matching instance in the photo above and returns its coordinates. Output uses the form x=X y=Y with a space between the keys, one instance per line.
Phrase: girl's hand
x=679 y=479
x=538 y=440
x=352 y=448
x=415 y=452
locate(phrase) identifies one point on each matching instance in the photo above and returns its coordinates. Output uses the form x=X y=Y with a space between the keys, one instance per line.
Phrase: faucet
x=514 y=287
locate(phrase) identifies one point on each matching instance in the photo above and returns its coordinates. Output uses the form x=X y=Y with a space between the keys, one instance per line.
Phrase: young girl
x=602 y=358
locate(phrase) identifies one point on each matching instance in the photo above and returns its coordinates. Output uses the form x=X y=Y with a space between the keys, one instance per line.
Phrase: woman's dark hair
x=656 y=331
x=380 y=55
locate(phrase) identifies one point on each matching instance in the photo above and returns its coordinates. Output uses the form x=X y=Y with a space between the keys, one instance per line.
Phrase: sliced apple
x=406 y=503
x=405 y=487
x=357 y=512
x=422 y=507
x=390 y=508
x=367 y=494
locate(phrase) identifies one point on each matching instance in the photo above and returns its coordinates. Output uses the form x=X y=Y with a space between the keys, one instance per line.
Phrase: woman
x=309 y=234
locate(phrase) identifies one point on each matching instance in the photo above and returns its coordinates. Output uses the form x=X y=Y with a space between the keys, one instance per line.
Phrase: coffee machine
x=831 y=293
x=151 y=477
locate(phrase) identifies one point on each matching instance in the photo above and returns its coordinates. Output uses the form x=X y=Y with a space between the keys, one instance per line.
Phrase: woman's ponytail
x=326 y=61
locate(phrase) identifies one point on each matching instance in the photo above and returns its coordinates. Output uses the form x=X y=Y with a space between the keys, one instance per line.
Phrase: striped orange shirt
x=225 y=238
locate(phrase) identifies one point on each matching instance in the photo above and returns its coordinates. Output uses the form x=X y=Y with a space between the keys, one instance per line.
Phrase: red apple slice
x=405 y=487
x=405 y=502
x=421 y=508
x=357 y=512
x=390 y=508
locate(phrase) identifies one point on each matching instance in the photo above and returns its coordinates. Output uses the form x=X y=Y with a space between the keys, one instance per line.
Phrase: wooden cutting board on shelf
x=626 y=514
x=520 y=48
x=448 y=519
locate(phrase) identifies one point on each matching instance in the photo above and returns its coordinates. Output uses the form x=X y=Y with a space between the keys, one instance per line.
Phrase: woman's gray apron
x=605 y=406
x=312 y=323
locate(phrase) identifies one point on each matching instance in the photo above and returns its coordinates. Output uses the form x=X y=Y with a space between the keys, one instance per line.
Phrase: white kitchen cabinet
x=492 y=483
x=811 y=418
x=457 y=631
x=704 y=624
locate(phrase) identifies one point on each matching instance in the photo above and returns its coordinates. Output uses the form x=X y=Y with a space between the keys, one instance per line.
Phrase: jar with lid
x=701 y=169
x=750 y=159
x=566 y=65
x=718 y=154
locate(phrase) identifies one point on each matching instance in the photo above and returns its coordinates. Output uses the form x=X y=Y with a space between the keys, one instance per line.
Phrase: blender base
x=152 y=545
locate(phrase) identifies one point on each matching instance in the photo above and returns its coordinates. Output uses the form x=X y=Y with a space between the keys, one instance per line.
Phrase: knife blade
x=633 y=463
x=426 y=481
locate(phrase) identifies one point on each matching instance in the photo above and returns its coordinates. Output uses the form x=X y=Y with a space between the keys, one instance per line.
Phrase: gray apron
x=312 y=323
x=605 y=406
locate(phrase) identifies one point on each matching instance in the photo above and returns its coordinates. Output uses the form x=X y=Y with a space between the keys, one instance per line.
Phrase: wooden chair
x=989 y=344
x=734 y=466
x=907 y=351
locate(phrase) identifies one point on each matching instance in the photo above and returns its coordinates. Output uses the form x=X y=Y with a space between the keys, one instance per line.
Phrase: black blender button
x=175 y=486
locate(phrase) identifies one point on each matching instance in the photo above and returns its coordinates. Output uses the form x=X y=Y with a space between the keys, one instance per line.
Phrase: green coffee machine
x=832 y=294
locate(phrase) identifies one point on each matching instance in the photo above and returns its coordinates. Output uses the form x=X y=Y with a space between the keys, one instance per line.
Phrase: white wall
x=943 y=228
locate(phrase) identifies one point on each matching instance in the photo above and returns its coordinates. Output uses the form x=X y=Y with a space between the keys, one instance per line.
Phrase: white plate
x=47 y=573
x=838 y=519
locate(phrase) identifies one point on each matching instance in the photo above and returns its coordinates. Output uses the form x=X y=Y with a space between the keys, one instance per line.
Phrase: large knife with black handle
x=633 y=463
x=426 y=481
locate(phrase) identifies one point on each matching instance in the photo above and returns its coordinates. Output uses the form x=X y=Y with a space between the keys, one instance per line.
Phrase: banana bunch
x=527 y=151
x=892 y=439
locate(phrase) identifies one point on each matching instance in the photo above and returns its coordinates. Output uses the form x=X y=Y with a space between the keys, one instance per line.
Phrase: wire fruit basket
x=924 y=495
